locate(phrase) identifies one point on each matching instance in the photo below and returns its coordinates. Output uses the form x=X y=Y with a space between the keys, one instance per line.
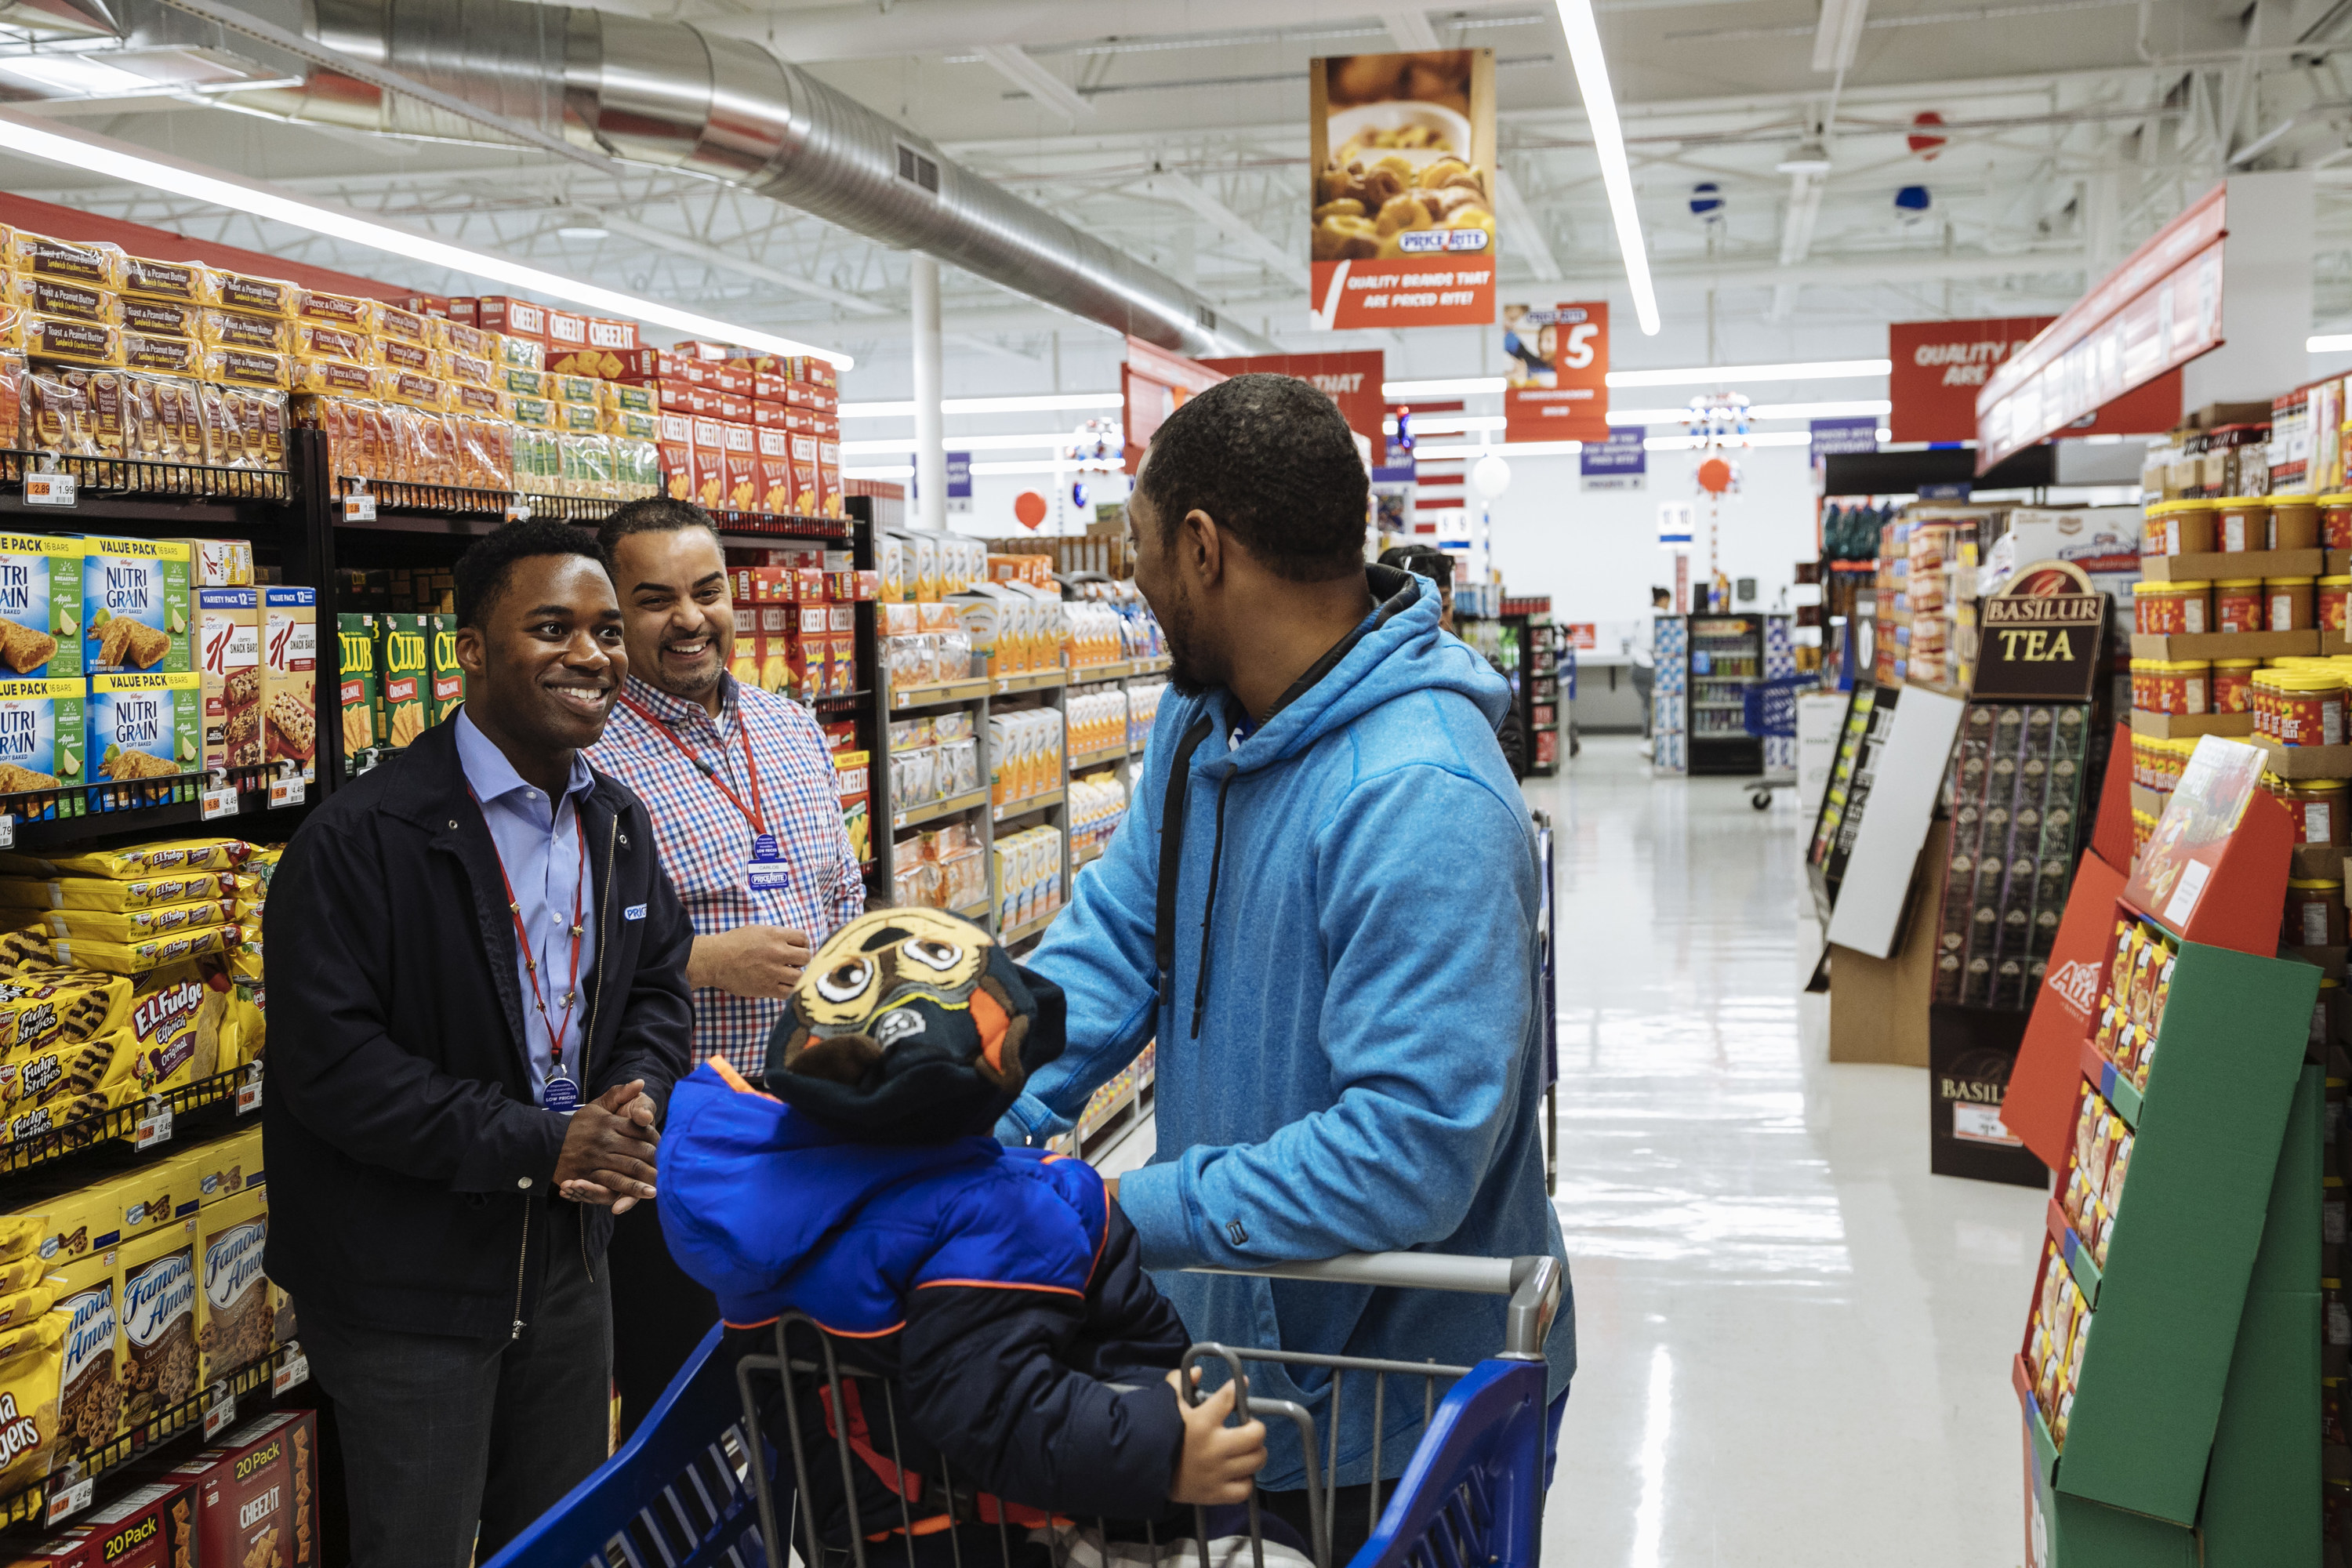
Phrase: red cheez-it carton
x=257 y=1493
x=153 y=1526
x=775 y=486
x=515 y=318
x=676 y=443
x=710 y=464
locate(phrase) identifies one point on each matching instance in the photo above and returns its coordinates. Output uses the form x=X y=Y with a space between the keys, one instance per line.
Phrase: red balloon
x=1030 y=507
x=1925 y=146
x=1715 y=476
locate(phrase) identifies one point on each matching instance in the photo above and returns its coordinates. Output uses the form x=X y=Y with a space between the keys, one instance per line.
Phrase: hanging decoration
x=1715 y=476
x=1029 y=509
x=1922 y=141
x=1706 y=202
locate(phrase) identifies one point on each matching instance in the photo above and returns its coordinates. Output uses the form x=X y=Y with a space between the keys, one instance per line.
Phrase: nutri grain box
x=40 y=735
x=40 y=604
x=290 y=677
x=144 y=726
x=228 y=655
x=134 y=606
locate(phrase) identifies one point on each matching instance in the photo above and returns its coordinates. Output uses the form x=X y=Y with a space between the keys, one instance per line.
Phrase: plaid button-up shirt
x=706 y=845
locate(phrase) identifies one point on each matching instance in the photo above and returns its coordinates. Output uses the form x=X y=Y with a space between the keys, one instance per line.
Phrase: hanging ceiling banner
x=1558 y=388
x=1152 y=384
x=1941 y=366
x=2159 y=310
x=1403 y=220
x=1351 y=380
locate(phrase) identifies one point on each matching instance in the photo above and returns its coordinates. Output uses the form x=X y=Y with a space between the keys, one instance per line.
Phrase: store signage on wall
x=2157 y=311
x=958 y=481
x=2041 y=638
x=1835 y=437
x=1619 y=463
x=1673 y=525
x=1402 y=226
x=1941 y=366
x=1152 y=384
x=1351 y=380
x=1558 y=385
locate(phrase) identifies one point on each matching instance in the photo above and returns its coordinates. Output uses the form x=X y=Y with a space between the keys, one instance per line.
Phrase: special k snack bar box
x=290 y=677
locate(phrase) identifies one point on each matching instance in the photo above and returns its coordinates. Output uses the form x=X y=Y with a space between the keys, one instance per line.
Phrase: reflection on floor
x=1794 y=1340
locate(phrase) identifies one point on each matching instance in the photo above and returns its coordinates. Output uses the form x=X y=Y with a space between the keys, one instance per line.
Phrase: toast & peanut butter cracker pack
x=40 y=604
x=234 y=1327
x=159 y=1321
x=134 y=605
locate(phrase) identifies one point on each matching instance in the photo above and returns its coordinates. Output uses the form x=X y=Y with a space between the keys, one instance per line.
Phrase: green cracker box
x=403 y=657
x=40 y=606
x=361 y=693
x=449 y=676
x=134 y=605
x=145 y=726
x=40 y=735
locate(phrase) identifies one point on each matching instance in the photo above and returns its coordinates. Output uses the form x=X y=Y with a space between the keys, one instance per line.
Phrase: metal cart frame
x=700 y=1484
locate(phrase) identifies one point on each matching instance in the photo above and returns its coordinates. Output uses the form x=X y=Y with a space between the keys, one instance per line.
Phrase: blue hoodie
x=1349 y=1032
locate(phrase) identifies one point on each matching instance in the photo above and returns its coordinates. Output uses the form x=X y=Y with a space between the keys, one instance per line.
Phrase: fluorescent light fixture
x=118 y=160
x=1759 y=411
x=78 y=76
x=1048 y=404
x=907 y=472
x=1450 y=424
x=1806 y=158
x=1609 y=142
x=1051 y=438
x=1707 y=374
x=1059 y=465
x=1503 y=448
x=2327 y=343
x=582 y=232
x=1458 y=386
x=1761 y=438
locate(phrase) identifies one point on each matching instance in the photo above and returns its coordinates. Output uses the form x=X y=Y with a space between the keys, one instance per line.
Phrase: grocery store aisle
x=1794 y=1339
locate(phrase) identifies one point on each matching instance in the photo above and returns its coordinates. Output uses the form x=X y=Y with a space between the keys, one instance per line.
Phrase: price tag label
x=249 y=1098
x=295 y=1369
x=221 y=801
x=49 y=490
x=8 y=833
x=517 y=511
x=222 y=1413
x=154 y=1128
x=360 y=508
x=67 y=1501
x=285 y=792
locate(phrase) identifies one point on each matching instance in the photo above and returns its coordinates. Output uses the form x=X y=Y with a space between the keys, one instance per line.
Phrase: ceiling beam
x=1839 y=34
x=1526 y=235
x=1012 y=62
x=1183 y=190
x=679 y=244
x=1409 y=25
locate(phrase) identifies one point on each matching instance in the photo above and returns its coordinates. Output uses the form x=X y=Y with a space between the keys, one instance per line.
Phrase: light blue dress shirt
x=539 y=845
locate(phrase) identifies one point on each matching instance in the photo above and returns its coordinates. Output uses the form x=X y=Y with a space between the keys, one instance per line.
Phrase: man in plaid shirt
x=740 y=785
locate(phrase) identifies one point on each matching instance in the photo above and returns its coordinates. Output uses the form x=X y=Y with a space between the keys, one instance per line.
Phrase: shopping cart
x=1768 y=711
x=700 y=1483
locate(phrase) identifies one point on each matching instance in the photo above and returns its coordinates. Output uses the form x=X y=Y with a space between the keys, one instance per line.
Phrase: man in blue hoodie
x=1323 y=906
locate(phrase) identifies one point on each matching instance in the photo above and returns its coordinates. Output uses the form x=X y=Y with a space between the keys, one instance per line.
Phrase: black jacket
x=997 y=1393
x=411 y=1168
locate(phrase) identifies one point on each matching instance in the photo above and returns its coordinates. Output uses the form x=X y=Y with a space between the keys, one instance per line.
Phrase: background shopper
x=467 y=1070
x=1426 y=560
x=748 y=814
x=1323 y=906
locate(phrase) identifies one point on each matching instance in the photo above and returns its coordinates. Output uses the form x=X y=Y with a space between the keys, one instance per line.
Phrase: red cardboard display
x=2039 y=1105
x=2215 y=870
x=2111 y=832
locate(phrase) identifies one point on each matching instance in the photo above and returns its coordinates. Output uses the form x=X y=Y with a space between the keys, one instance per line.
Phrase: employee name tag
x=767 y=872
x=559 y=1094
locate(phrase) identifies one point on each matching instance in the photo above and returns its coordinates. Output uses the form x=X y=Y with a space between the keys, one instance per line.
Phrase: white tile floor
x=1794 y=1339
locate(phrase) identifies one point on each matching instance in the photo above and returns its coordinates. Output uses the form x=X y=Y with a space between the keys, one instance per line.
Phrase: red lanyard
x=523 y=938
x=756 y=813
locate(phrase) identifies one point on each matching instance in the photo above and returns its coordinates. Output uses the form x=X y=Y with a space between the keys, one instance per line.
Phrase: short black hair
x=653 y=514
x=1422 y=561
x=482 y=571
x=1272 y=459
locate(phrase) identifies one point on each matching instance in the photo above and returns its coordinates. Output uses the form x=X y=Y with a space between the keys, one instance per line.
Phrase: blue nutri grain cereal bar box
x=40 y=735
x=145 y=726
x=134 y=602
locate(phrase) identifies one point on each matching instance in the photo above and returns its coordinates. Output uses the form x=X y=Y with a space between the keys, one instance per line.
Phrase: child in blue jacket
x=998 y=1291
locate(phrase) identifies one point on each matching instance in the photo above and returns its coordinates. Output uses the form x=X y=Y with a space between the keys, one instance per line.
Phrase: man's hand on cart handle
x=600 y=1164
x=750 y=961
x=1218 y=1461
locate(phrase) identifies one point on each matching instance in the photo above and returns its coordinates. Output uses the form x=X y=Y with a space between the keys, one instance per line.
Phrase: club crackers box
x=40 y=605
x=404 y=658
x=144 y=726
x=449 y=675
x=359 y=695
x=134 y=606
x=40 y=735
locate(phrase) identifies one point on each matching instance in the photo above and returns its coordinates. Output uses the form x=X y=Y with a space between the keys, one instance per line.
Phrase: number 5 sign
x=1575 y=405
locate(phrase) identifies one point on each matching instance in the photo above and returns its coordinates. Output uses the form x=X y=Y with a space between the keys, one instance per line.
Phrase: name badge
x=560 y=1093
x=767 y=872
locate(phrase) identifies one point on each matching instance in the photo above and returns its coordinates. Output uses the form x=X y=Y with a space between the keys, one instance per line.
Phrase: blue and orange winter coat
x=998 y=1290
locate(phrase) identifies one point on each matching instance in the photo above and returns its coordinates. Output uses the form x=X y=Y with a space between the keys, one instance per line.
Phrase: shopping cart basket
x=1768 y=711
x=700 y=1483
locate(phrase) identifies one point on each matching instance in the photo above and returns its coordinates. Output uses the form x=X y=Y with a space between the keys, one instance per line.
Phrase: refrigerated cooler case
x=1531 y=662
x=1725 y=656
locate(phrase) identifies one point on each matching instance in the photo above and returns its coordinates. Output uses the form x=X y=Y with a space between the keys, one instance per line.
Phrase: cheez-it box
x=257 y=1493
x=152 y=1526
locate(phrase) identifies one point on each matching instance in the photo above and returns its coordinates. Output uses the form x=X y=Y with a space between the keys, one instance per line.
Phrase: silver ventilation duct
x=665 y=93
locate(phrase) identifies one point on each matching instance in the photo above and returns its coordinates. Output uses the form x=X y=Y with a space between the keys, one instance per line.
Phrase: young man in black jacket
x=472 y=1057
